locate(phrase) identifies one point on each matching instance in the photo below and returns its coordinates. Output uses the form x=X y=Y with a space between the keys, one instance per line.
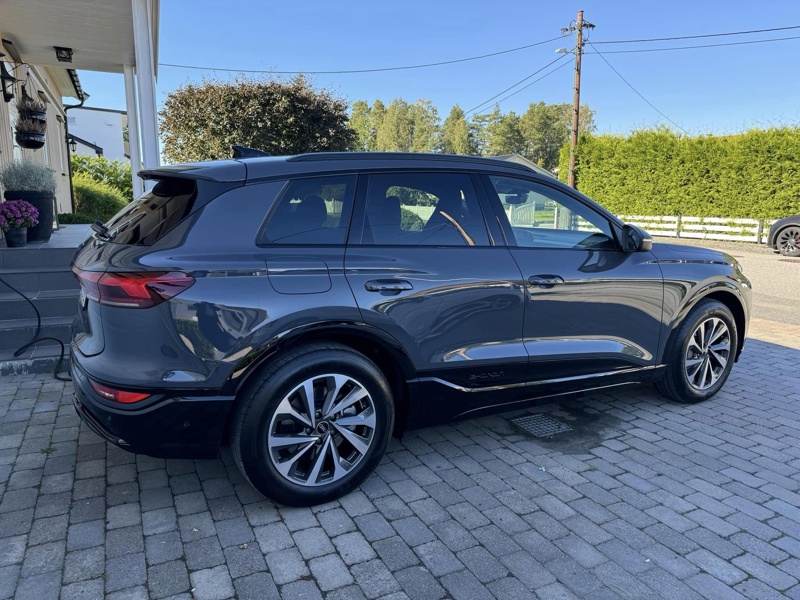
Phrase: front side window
x=312 y=211
x=544 y=217
x=423 y=209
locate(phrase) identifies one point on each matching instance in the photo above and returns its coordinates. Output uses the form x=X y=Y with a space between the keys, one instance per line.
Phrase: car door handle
x=545 y=281
x=388 y=285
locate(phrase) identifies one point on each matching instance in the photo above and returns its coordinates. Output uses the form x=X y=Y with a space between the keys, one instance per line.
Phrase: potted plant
x=15 y=218
x=30 y=132
x=31 y=109
x=35 y=183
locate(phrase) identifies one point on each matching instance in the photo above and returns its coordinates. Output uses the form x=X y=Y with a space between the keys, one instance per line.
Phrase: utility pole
x=578 y=28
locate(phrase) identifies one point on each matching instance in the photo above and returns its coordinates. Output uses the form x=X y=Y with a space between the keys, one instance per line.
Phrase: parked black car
x=784 y=236
x=303 y=308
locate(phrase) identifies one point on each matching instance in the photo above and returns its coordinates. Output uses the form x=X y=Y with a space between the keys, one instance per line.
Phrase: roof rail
x=322 y=156
x=245 y=152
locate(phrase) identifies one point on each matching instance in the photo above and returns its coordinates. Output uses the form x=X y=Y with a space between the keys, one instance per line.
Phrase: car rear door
x=424 y=268
x=592 y=310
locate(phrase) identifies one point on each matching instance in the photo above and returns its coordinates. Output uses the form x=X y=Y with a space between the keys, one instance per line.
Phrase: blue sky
x=714 y=90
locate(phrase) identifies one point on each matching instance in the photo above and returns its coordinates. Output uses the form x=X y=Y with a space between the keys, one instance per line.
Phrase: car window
x=423 y=209
x=543 y=217
x=148 y=218
x=312 y=211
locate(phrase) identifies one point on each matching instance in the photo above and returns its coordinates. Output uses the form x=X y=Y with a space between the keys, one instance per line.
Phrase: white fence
x=703 y=228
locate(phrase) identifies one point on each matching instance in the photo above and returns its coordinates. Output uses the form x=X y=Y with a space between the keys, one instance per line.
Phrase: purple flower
x=17 y=213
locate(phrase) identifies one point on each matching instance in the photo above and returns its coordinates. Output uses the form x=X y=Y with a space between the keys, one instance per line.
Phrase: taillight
x=117 y=395
x=132 y=290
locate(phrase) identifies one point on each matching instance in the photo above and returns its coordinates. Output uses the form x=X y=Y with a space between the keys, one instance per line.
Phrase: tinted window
x=424 y=209
x=152 y=215
x=544 y=217
x=312 y=211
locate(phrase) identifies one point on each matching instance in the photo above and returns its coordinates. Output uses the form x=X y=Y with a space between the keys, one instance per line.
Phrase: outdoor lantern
x=73 y=144
x=8 y=81
x=63 y=54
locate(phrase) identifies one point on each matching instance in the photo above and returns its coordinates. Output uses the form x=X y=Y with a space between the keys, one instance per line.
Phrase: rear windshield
x=152 y=215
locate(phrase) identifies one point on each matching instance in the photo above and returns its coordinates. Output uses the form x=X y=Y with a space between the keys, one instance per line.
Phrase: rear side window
x=152 y=215
x=312 y=211
x=423 y=209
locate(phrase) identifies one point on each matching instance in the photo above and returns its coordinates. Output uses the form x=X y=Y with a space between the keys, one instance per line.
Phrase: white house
x=99 y=131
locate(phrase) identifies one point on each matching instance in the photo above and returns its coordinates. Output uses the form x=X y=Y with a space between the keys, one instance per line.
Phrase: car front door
x=592 y=310
x=424 y=268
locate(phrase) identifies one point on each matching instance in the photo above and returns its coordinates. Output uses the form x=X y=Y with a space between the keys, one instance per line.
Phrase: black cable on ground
x=36 y=337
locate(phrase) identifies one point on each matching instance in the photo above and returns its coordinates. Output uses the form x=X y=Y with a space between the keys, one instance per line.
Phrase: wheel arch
x=723 y=292
x=381 y=348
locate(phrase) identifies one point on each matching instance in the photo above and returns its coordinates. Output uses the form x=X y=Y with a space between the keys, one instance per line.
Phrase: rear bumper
x=164 y=427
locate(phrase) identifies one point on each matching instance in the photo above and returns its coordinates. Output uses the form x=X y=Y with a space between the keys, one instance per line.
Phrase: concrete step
x=49 y=303
x=35 y=257
x=15 y=333
x=43 y=358
x=35 y=279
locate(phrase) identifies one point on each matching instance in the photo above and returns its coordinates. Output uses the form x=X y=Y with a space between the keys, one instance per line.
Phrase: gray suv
x=304 y=308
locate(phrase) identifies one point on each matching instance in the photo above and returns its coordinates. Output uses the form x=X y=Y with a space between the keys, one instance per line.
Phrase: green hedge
x=410 y=220
x=115 y=173
x=657 y=172
x=74 y=219
x=95 y=200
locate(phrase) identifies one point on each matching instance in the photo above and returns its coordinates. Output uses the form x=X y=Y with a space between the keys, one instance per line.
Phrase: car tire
x=335 y=452
x=705 y=339
x=787 y=241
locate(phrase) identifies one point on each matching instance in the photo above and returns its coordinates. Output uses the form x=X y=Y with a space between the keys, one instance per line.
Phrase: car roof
x=276 y=166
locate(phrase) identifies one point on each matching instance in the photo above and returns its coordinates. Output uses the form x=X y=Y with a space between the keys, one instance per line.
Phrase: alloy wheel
x=707 y=353
x=321 y=429
x=789 y=241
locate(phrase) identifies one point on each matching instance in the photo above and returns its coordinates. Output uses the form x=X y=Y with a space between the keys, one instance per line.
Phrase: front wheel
x=788 y=241
x=313 y=425
x=701 y=353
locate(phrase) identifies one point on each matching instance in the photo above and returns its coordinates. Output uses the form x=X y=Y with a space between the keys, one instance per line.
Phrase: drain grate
x=540 y=425
x=791 y=260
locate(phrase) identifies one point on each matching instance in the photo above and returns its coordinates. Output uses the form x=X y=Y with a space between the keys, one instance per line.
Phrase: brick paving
x=644 y=499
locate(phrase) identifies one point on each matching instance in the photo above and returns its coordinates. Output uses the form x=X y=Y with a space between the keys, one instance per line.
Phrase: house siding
x=55 y=152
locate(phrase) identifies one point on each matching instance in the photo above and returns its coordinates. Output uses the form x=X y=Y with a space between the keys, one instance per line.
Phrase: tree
x=500 y=133
x=456 y=137
x=426 y=126
x=361 y=124
x=545 y=128
x=396 y=131
x=202 y=122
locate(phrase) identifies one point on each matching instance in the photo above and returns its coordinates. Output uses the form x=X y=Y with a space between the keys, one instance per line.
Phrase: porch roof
x=100 y=34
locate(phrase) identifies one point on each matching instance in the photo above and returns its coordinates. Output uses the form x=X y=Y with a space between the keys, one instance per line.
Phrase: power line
x=350 y=71
x=524 y=79
x=525 y=87
x=638 y=93
x=692 y=37
x=796 y=37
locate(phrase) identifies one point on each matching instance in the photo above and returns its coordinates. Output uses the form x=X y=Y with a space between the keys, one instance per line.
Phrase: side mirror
x=636 y=239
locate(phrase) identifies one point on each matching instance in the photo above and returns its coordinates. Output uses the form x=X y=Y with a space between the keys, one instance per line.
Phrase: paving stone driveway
x=643 y=499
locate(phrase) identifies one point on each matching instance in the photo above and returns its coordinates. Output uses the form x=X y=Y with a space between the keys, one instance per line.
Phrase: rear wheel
x=313 y=425
x=701 y=353
x=788 y=241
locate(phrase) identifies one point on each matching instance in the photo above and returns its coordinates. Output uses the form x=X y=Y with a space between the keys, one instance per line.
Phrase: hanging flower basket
x=30 y=133
x=31 y=109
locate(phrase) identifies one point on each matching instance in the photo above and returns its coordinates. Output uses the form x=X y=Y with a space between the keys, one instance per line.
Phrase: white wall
x=101 y=128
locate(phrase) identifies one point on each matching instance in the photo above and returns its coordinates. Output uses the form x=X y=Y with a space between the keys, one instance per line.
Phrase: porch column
x=145 y=82
x=133 y=129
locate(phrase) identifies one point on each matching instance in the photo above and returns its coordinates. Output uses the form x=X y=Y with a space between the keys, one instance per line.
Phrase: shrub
x=27 y=175
x=410 y=221
x=115 y=173
x=74 y=219
x=753 y=175
x=96 y=200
